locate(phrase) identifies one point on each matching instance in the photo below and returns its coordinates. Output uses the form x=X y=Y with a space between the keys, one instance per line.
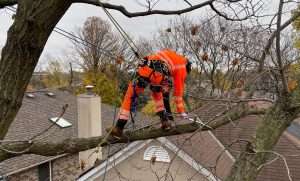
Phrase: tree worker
x=159 y=70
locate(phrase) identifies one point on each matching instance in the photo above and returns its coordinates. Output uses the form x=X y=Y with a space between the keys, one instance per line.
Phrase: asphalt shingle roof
x=33 y=118
x=245 y=129
x=203 y=147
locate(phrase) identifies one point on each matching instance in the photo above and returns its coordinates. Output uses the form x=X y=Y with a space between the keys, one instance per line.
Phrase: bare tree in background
x=221 y=51
x=99 y=34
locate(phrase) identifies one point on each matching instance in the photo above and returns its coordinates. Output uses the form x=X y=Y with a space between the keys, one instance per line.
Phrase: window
x=44 y=171
x=61 y=122
x=158 y=153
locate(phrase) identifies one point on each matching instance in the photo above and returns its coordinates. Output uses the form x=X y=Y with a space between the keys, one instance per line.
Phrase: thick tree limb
x=80 y=144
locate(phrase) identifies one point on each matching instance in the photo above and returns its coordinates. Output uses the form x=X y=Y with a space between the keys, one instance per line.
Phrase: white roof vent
x=29 y=95
x=50 y=94
x=61 y=122
x=158 y=153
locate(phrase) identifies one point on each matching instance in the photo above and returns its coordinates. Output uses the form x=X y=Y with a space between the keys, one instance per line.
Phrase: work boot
x=170 y=117
x=165 y=124
x=117 y=130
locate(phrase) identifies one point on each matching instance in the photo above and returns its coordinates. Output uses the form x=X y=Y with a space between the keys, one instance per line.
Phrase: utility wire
x=75 y=38
x=78 y=39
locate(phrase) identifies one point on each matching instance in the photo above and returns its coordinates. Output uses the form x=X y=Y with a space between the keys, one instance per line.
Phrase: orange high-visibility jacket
x=177 y=66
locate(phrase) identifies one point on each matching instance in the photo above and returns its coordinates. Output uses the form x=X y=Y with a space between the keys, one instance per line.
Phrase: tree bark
x=80 y=144
x=274 y=123
x=34 y=22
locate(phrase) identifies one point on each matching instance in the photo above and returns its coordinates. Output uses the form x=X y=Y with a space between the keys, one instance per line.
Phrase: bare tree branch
x=278 y=52
x=224 y=15
x=125 y=12
x=190 y=4
x=273 y=36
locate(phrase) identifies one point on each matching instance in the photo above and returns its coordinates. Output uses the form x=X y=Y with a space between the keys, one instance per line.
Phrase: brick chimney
x=89 y=125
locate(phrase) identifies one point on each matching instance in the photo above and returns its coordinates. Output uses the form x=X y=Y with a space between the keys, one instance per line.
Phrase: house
x=36 y=110
x=84 y=116
x=194 y=156
x=198 y=156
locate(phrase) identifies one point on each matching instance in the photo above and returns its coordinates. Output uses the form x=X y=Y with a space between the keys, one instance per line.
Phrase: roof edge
x=292 y=138
x=34 y=165
x=114 y=160
x=221 y=145
x=189 y=160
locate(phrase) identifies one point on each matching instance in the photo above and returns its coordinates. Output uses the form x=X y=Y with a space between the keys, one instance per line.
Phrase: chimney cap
x=89 y=89
x=89 y=86
x=29 y=95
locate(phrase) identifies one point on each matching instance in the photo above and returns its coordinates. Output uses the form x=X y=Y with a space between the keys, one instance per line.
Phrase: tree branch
x=4 y=3
x=278 y=49
x=225 y=16
x=75 y=145
x=124 y=11
x=272 y=37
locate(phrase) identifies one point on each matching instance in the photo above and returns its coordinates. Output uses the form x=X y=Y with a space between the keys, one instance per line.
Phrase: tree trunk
x=274 y=123
x=26 y=38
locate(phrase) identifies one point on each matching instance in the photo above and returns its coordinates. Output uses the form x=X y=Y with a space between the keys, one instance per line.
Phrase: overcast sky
x=137 y=27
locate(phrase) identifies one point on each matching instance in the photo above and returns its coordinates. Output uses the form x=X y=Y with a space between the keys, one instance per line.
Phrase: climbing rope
x=123 y=33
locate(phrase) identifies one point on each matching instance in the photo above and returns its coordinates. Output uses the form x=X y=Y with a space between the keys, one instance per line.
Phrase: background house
x=195 y=156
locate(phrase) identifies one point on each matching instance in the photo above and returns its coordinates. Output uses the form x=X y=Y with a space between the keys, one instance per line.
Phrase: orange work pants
x=135 y=89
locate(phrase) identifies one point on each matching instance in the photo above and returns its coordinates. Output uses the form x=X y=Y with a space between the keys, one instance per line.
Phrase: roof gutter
x=113 y=160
